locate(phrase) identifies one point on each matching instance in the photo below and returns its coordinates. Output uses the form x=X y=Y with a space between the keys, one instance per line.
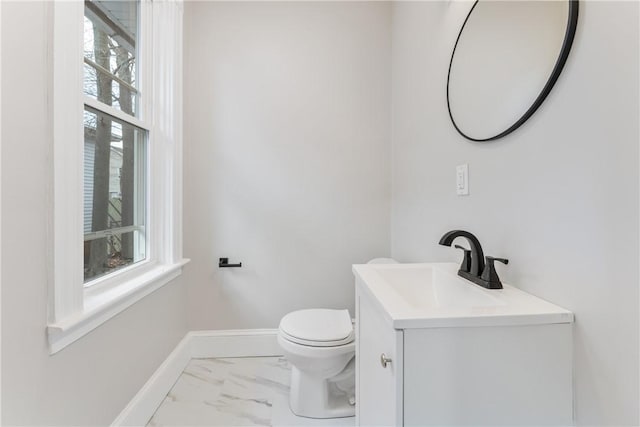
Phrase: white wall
x=287 y=111
x=559 y=197
x=89 y=382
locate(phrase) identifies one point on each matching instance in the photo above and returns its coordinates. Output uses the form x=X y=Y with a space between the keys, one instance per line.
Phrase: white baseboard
x=234 y=343
x=146 y=401
x=195 y=345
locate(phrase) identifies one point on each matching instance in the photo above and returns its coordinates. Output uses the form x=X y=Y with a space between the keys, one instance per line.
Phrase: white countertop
x=432 y=295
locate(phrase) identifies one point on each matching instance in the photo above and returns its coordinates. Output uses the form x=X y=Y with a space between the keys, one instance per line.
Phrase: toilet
x=320 y=345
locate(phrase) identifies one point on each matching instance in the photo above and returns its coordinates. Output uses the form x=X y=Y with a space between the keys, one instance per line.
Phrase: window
x=114 y=194
x=117 y=151
x=110 y=53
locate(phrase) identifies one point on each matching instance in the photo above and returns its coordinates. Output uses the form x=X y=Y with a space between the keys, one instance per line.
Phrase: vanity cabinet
x=479 y=375
x=378 y=387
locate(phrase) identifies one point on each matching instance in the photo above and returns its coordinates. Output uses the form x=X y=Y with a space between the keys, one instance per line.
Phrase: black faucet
x=473 y=266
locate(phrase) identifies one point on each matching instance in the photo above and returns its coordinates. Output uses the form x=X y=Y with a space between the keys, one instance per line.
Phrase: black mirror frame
x=569 y=35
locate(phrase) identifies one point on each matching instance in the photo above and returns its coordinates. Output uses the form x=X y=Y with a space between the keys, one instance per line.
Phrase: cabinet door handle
x=384 y=360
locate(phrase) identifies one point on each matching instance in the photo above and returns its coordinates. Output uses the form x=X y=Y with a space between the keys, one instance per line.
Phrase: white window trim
x=73 y=309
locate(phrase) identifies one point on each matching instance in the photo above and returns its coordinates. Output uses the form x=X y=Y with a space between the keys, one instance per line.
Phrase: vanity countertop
x=432 y=295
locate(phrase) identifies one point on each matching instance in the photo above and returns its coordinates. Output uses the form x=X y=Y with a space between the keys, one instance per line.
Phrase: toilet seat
x=317 y=327
x=311 y=343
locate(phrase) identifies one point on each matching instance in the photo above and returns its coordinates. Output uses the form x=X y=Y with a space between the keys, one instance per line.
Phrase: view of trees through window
x=114 y=150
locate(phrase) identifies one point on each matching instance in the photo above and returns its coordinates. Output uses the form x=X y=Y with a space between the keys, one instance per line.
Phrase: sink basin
x=426 y=286
x=433 y=295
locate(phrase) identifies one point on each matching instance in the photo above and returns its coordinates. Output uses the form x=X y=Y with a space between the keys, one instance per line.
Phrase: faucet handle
x=466 y=261
x=489 y=275
x=492 y=258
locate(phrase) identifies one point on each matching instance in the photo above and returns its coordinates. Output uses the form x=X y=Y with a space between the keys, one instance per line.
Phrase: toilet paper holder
x=224 y=262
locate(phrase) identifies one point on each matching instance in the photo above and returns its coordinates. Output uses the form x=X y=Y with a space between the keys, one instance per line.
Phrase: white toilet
x=320 y=345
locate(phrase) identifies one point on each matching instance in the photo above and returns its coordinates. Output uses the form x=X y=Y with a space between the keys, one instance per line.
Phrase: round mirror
x=506 y=59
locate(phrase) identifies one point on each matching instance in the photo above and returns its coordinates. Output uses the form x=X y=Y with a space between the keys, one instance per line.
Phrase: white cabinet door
x=489 y=376
x=378 y=388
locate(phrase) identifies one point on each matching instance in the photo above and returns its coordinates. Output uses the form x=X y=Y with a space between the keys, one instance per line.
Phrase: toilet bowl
x=320 y=345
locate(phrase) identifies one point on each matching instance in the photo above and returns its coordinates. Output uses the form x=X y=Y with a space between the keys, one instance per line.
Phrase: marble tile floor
x=242 y=391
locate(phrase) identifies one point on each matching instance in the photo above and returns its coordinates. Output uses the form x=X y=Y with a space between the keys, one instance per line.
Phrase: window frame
x=75 y=309
x=97 y=107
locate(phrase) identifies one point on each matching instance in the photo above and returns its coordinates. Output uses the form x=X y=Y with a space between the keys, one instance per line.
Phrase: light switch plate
x=462 y=180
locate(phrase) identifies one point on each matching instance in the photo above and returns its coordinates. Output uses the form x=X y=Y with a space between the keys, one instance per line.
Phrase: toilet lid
x=318 y=327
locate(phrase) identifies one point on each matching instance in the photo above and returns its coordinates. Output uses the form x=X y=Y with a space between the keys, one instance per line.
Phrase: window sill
x=103 y=306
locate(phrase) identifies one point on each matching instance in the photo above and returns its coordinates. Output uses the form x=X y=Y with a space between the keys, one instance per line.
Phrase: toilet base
x=312 y=397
